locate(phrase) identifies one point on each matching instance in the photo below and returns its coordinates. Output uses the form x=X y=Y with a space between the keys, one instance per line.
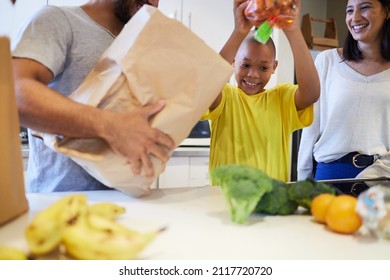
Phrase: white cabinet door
x=199 y=172
x=13 y=17
x=171 y=8
x=67 y=2
x=211 y=20
x=176 y=173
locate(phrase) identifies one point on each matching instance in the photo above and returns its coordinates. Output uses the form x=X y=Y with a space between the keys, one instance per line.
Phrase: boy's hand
x=296 y=23
x=241 y=23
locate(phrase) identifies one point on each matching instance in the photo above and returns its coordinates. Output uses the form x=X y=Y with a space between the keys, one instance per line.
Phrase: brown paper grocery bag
x=153 y=58
x=12 y=194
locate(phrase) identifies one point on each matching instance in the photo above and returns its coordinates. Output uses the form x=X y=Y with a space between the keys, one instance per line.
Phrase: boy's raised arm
x=307 y=77
x=241 y=28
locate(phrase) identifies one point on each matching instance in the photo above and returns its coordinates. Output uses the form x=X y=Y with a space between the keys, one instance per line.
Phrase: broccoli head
x=303 y=192
x=277 y=201
x=242 y=186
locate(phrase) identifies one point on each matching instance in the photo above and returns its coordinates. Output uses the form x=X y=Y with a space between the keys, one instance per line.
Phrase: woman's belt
x=358 y=160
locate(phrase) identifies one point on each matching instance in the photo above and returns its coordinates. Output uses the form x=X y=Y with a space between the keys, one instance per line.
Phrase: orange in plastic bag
x=278 y=13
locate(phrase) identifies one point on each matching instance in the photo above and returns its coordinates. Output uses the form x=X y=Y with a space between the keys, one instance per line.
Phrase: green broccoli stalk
x=303 y=192
x=277 y=201
x=243 y=187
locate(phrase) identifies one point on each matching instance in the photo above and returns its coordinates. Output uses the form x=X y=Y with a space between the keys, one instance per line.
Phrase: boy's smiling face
x=253 y=66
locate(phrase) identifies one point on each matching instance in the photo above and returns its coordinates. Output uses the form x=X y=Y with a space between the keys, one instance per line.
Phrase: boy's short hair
x=250 y=38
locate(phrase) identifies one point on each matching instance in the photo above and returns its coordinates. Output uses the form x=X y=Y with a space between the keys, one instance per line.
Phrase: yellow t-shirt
x=256 y=129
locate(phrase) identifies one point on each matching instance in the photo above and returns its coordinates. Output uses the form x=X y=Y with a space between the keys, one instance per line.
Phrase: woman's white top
x=352 y=114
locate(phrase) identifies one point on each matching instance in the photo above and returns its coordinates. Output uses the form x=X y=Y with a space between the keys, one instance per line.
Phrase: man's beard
x=125 y=9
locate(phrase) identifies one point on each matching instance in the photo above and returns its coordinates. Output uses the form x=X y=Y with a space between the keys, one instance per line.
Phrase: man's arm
x=46 y=110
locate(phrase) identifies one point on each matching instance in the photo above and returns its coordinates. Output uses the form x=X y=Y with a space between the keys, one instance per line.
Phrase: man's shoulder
x=48 y=15
x=63 y=9
x=58 y=12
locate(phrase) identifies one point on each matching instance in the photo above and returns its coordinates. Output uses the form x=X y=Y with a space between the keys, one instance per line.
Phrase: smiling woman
x=355 y=82
x=367 y=22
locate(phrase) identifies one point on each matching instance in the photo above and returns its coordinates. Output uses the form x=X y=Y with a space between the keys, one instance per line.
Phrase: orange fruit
x=341 y=215
x=319 y=206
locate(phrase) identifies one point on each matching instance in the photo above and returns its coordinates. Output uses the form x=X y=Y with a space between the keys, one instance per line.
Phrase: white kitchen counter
x=191 y=152
x=199 y=227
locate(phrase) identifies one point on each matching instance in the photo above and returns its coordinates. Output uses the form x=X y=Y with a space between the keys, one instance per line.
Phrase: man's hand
x=131 y=135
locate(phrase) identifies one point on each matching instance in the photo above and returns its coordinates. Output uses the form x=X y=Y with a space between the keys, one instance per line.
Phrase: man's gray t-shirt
x=69 y=43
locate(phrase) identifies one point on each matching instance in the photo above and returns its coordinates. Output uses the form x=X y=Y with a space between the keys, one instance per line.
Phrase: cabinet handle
x=189 y=20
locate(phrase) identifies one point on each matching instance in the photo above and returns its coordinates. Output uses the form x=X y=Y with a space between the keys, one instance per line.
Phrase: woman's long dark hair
x=351 y=50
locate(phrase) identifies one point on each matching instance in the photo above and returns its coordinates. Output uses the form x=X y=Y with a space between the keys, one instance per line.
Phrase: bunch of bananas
x=11 y=253
x=84 y=231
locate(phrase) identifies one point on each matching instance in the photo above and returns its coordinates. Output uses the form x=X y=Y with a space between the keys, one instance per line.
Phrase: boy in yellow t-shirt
x=251 y=125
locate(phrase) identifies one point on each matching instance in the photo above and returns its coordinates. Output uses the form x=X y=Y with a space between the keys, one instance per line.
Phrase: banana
x=85 y=231
x=44 y=233
x=97 y=222
x=106 y=209
x=10 y=253
x=95 y=238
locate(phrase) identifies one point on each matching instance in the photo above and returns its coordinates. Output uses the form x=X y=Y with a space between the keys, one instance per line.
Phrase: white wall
x=6 y=15
x=13 y=17
x=315 y=7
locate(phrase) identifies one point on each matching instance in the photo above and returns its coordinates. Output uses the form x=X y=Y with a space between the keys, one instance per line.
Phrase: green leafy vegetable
x=248 y=190
x=243 y=187
x=277 y=201
x=303 y=192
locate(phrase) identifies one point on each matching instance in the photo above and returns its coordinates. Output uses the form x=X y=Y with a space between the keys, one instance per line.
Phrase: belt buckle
x=354 y=159
x=358 y=188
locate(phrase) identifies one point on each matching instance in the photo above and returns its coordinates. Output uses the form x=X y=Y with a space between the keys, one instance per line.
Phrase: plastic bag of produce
x=153 y=58
x=266 y=14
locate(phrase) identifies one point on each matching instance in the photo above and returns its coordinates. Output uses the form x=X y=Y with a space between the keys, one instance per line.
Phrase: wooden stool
x=329 y=40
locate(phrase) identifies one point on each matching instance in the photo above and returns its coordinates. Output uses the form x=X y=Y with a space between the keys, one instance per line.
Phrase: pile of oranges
x=337 y=212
